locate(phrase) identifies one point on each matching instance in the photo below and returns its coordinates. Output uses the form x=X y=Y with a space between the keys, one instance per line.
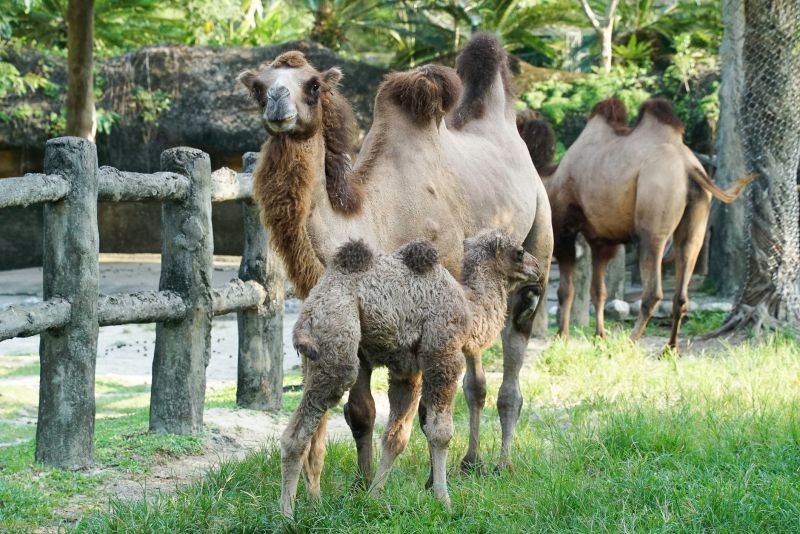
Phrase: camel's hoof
x=504 y=467
x=359 y=484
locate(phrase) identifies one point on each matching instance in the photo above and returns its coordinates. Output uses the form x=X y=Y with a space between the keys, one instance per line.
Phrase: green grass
x=611 y=437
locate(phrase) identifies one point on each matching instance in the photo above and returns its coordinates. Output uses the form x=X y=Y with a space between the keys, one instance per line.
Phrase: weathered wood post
x=183 y=347
x=65 y=429
x=583 y=282
x=260 y=369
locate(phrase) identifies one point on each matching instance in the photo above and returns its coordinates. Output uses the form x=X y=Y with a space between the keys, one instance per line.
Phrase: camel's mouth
x=283 y=125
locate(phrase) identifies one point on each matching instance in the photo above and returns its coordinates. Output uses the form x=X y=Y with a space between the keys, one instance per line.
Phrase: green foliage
x=149 y=105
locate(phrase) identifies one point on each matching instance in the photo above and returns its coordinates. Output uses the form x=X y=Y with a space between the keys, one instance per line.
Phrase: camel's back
x=395 y=305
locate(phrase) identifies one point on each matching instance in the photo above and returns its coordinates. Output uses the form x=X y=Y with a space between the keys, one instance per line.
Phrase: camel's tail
x=477 y=66
x=303 y=340
x=701 y=178
x=425 y=93
x=353 y=257
x=420 y=256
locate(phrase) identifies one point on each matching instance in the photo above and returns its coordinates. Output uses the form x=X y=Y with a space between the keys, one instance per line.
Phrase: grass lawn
x=611 y=438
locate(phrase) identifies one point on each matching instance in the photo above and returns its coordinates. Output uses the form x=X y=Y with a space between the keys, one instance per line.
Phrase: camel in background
x=441 y=161
x=618 y=184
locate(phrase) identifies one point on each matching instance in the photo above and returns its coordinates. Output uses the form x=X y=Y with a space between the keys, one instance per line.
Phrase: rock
x=636 y=307
x=552 y=310
x=726 y=307
x=293 y=305
x=617 y=310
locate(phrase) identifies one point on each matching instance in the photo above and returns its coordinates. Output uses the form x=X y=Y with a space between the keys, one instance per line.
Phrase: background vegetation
x=666 y=47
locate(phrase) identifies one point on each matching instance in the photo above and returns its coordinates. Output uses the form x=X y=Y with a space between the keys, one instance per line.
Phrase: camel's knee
x=293 y=446
x=650 y=301
x=509 y=401
x=680 y=305
x=439 y=428
x=475 y=389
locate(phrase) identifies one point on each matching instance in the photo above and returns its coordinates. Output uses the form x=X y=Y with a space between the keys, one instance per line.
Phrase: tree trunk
x=770 y=128
x=605 y=51
x=728 y=266
x=80 y=86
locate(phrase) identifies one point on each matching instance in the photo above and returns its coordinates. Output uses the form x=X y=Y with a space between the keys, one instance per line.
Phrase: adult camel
x=442 y=161
x=618 y=184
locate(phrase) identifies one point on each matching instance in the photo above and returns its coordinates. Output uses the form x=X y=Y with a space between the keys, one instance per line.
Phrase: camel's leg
x=539 y=242
x=688 y=241
x=475 y=394
x=565 y=255
x=650 y=253
x=404 y=393
x=315 y=459
x=440 y=382
x=359 y=413
x=601 y=255
x=322 y=391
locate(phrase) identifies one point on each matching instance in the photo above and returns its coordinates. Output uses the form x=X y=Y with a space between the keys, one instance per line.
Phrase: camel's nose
x=279 y=110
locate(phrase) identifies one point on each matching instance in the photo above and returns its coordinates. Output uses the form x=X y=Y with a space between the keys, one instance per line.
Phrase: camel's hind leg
x=650 y=253
x=440 y=382
x=688 y=241
x=601 y=255
x=475 y=394
x=565 y=255
x=404 y=394
x=359 y=413
x=323 y=389
x=316 y=459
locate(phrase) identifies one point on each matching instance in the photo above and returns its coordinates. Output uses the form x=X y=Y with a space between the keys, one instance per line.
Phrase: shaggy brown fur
x=484 y=54
x=419 y=256
x=414 y=321
x=338 y=125
x=540 y=139
x=293 y=59
x=425 y=93
x=662 y=111
x=614 y=112
x=646 y=186
x=283 y=190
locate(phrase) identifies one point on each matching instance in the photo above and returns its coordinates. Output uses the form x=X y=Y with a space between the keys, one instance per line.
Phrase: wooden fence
x=72 y=310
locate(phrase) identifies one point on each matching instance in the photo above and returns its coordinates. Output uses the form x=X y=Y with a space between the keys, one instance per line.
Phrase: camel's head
x=290 y=93
x=500 y=253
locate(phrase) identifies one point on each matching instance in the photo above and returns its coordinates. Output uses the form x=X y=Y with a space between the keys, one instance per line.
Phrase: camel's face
x=505 y=255
x=289 y=92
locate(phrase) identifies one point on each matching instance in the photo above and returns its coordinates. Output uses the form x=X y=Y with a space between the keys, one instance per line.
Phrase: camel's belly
x=609 y=209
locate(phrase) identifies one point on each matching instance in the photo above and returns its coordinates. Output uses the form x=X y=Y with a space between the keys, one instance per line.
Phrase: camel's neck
x=285 y=184
x=488 y=297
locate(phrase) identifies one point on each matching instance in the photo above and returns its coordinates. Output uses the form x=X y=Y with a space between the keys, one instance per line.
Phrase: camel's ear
x=247 y=78
x=331 y=77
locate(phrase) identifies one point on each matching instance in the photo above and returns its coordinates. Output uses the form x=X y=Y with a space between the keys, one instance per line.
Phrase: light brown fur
x=616 y=185
x=406 y=312
x=419 y=176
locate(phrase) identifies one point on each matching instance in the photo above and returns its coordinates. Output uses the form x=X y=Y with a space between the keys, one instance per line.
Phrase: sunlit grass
x=611 y=437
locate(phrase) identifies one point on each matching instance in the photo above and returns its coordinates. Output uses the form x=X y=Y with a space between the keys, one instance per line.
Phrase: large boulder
x=203 y=107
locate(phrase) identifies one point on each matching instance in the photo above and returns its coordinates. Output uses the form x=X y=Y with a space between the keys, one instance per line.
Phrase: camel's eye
x=314 y=87
x=520 y=254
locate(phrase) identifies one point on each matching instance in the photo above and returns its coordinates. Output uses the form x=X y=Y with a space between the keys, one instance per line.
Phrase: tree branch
x=590 y=15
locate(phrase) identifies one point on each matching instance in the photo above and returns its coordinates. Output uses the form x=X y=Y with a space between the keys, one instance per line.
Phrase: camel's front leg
x=515 y=336
x=475 y=394
x=359 y=412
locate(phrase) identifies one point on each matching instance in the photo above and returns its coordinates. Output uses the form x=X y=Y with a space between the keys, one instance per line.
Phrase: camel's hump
x=353 y=257
x=420 y=256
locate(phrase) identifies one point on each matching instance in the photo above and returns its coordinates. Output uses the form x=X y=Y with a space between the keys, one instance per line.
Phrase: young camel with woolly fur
x=441 y=161
x=618 y=184
x=404 y=311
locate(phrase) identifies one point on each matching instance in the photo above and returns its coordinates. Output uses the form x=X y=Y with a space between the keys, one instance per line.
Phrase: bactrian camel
x=618 y=184
x=442 y=160
x=406 y=312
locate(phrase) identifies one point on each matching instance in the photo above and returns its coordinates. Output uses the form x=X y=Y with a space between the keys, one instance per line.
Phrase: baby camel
x=404 y=311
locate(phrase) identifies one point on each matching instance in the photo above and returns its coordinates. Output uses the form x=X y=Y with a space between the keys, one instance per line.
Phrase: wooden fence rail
x=72 y=311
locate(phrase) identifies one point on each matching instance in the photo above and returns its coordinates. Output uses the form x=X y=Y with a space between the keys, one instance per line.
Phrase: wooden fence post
x=183 y=348
x=260 y=367
x=65 y=429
